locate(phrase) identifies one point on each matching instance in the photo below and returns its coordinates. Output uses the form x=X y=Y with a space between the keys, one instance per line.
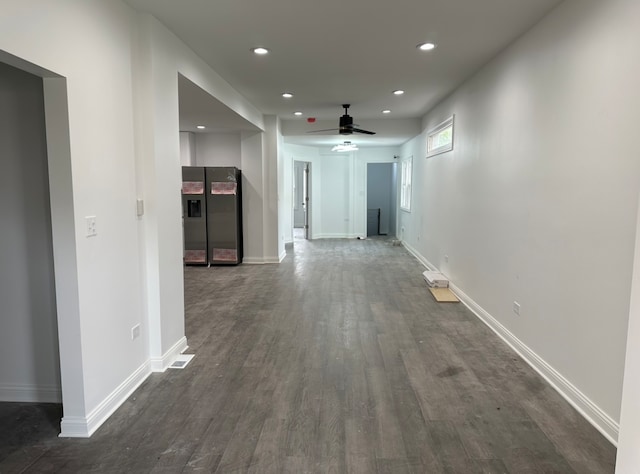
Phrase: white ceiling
x=342 y=51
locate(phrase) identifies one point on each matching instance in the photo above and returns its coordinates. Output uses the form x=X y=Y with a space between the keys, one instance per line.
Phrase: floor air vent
x=181 y=361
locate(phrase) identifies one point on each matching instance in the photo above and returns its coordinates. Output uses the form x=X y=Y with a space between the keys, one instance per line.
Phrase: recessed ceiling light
x=426 y=46
x=386 y=111
x=398 y=92
x=201 y=127
x=297 y=113
x=287 y=95
x=260 y=50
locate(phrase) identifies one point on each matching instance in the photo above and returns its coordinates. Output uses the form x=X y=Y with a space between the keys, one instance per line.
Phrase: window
x=405 y=184
x=440 y=139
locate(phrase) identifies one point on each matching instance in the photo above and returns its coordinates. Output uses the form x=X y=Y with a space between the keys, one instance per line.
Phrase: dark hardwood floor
x=337 y=360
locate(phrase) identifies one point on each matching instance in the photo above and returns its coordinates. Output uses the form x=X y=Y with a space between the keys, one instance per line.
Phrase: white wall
x=217 y=149
x=273 y=243
x=111 y=97
x=187 y=149
x=28 y=320
x=537 y=202
x=89 y=43
x=286 y=197
x=298 y=197
x=628 y=459
x=163 y=58
x=252 y=192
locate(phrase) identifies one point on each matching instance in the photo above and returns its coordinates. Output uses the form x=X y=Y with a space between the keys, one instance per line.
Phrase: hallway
x=336 y=360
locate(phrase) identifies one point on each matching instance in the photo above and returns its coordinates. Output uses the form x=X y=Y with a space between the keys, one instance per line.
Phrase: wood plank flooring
x=337 y=360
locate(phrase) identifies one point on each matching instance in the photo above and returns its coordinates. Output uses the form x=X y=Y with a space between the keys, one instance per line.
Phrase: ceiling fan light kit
x=346 y=125
x=346 y=146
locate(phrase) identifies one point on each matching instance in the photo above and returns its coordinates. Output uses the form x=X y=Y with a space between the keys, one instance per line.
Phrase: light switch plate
x=92 y=230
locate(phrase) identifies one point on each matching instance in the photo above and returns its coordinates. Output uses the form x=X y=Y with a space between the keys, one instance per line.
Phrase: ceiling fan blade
x=366 y=132
x=325 y=130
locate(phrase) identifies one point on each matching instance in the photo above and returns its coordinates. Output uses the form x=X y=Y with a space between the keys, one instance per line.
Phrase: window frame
x=406 y=189
x=434 y=132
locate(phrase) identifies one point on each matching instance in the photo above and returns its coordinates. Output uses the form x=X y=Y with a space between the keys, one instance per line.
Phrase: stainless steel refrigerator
x=217 y=219
x=194 y=215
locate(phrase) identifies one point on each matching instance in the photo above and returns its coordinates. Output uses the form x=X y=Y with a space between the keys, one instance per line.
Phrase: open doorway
x=381 y=199
x=301 y=200
x=29 y=322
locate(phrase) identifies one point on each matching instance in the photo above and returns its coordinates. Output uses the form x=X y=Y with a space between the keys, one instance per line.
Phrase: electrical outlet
x=516 y=308
x=91 y=226
x=135 y=332
x=446 y=258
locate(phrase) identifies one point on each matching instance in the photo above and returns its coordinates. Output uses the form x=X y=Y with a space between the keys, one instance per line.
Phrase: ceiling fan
x=346 y=126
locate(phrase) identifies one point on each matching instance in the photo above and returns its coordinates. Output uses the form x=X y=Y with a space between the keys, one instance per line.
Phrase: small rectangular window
x=405 y=183
x=440 y=139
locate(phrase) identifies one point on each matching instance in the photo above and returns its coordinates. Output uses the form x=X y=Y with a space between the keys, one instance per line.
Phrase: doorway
x=381 y=199
x=29 y=326
x=301 y=200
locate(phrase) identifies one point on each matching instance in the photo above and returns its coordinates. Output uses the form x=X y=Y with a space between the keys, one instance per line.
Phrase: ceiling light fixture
x=426 y=46
x=201 y=127
x=346 y=146
x=260 y=50
x=287 y=95
x=398 y=92
x=297 y=113
x=386 y=111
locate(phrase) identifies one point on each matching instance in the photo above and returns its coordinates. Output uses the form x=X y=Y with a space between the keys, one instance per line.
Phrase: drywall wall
x=252 y=191
x=272 y=168
x=114 y=74
x=218 y=149
x=28 y=321
x=163 y=58
x=285 y=194
x=170 y=57
x=298 y=197
x=187 y=149
x=89 y=44
x=334 y=184
x=537 y=202
x=628 y=458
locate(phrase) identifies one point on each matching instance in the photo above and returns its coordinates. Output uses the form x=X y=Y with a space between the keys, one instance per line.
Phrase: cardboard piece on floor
x=444 y=295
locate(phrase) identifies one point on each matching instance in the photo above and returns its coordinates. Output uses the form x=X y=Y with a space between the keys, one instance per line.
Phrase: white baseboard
x=160 y=364
x=336 y=236
x=265 y=260
x=84 y=427
x=585 y=406
x=30 y=393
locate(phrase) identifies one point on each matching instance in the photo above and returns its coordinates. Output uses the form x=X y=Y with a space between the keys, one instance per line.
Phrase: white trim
x=265 y=260
x=585 y=406
x=84 y=427
x=338 y=236
x=406 y=183
x=160 y=364
x=30 y=393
